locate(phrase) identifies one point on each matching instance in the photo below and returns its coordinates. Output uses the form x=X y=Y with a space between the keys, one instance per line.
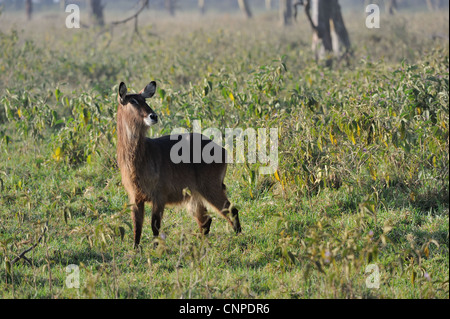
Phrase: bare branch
x=110 y=27
x=22 y=254
x=144 y=3
x=307 y=4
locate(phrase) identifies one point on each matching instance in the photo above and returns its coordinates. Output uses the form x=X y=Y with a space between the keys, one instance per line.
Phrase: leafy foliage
x=362 y=176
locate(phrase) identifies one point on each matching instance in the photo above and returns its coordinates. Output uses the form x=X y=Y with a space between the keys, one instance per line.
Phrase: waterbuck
x=150 y=175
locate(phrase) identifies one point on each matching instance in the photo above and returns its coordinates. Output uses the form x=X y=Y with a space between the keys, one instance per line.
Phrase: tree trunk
x=433 y=5
x=285 y=12
x=243 y=4
x=96 y=12
x=339 y=25
x=321 y=19
x=201 y=6
x=390 y=6
x=268 y=4
x=28 y=9
x=329 y=29
x=170 y=6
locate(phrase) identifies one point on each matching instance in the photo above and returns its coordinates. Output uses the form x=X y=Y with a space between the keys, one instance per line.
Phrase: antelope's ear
x=122 y=91
x=149 y=90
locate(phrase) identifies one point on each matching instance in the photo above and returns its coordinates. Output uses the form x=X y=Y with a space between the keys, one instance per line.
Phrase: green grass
x=363 y=160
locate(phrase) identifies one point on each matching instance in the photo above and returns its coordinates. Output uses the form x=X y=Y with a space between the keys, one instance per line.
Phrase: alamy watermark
x=73 y=19
x=373 y=17
x=373 y=280
x=262 y=146
x=73 y=276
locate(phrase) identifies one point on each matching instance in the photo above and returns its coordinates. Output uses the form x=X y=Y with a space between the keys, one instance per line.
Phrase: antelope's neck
x=130 y=146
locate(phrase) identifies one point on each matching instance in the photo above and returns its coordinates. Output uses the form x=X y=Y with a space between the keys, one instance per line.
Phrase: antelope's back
x=191 y=149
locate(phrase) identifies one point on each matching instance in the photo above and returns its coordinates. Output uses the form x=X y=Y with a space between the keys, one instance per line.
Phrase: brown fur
x=149 y=175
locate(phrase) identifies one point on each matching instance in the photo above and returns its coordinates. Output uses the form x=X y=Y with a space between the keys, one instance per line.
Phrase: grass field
x=362 y=175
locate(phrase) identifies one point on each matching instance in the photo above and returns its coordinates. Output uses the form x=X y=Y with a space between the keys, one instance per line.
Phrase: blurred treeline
x=210 y=5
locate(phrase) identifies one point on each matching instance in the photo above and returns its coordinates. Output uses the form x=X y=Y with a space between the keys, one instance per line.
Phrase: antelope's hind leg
x=234 y=216
x=217 y=198
x=157 y=214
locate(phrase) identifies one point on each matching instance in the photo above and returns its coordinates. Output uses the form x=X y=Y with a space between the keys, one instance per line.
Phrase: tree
x=390 y=6
x=243 y=4
x=329 y=29
x=285 y=12
x=201 y=6
x=433 y=5
x=96 y=12
x=29 y=9
x=170 y=6
x=62 y=4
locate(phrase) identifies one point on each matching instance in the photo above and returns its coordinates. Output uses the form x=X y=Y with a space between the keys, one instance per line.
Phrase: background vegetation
x=363 y=158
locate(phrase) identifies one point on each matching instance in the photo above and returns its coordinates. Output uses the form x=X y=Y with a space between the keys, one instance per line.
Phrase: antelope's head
x=135 y=110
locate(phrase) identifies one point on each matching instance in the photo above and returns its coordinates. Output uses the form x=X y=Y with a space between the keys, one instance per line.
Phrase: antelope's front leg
x=137 y=214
